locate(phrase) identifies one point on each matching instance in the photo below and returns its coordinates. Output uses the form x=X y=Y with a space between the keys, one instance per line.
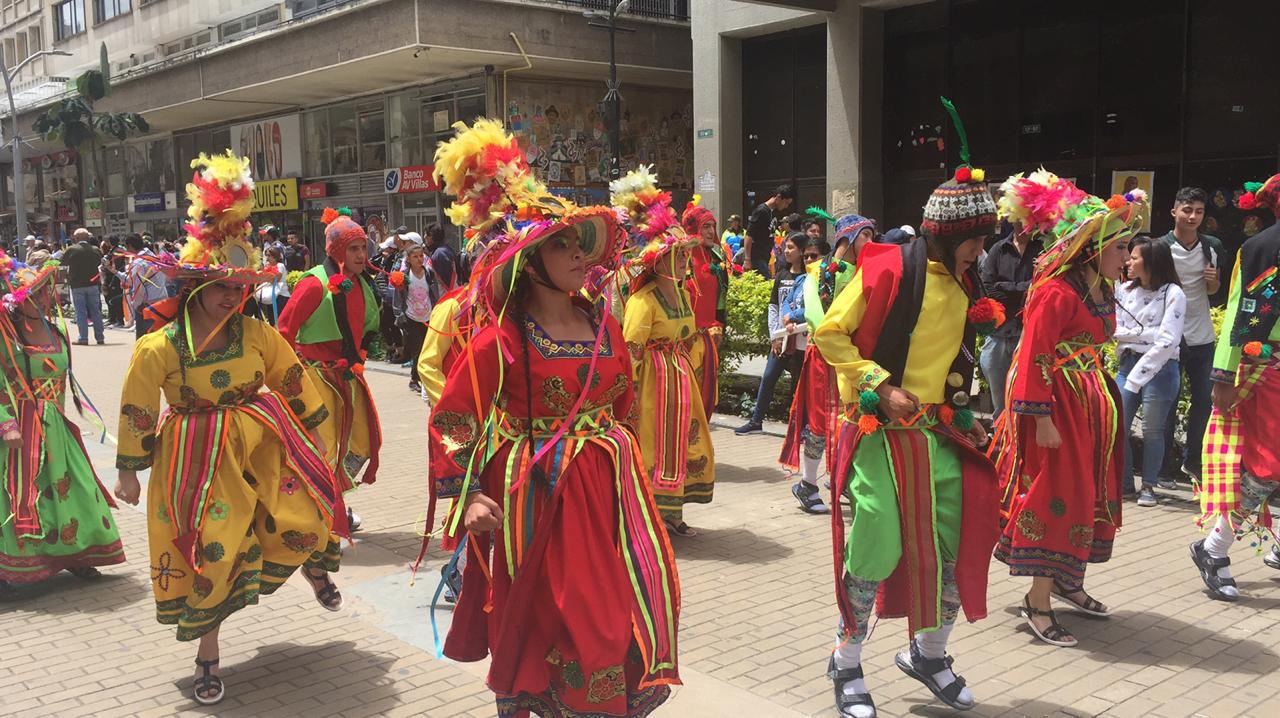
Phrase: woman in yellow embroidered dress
x=659 y=329
x=239 y=494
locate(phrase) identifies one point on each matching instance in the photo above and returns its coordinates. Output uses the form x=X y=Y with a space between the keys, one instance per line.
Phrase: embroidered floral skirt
x=675 y=438
x=1062 y=506
x=76 y=527
x=351 y=428
x=259 y=525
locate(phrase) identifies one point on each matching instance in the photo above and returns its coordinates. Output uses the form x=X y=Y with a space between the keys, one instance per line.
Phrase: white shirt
x=268 y=292
x=1190 y=266
x=1149 y=322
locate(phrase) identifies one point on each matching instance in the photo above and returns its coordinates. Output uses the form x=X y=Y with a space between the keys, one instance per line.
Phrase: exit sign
x=706 y=133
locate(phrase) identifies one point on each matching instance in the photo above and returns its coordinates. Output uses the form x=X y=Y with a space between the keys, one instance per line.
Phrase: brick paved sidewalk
x=756 y=630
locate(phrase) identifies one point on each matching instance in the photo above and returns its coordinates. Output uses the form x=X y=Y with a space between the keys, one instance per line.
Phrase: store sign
x=275 y=195
x=398 y=180
x=273 y=146
x=314 y=190
x=65 y=158
x=93 y=213
x=147 y=202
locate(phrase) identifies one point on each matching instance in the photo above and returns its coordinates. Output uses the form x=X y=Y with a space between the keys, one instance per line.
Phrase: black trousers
x=414 y=333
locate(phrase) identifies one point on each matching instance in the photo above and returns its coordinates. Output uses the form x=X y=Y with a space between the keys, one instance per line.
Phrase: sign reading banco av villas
x=410 y=179
x=275 y=195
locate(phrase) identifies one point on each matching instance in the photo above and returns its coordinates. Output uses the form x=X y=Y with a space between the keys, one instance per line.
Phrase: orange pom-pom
x=358 y=369
x=946 y=414
x=868 y=423
x=396 y=279
x=1117 y=201
x=1253 y=349
x=328 y=215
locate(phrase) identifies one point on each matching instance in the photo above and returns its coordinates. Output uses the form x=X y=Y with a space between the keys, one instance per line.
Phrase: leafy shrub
x=747 y=307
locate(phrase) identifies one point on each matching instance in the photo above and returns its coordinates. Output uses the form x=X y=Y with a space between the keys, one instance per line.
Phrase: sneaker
x=406 y=365
x=751 y=427
x=415 y=387
x=1147 y=497
x=353 y=520
x=1167 y=484
x=809 y=497
x=1272 y=558
x=81 y=342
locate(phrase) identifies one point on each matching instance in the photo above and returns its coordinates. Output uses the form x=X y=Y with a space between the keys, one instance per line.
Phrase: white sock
x=933 y=644
x=809 y=469
x=849 y=655
x=1217 y=543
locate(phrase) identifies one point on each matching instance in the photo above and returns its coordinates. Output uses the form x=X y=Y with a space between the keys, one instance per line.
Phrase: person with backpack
x=1197 y=258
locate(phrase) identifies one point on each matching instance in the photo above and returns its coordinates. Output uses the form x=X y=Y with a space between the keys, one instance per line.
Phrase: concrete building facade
x=342 y=102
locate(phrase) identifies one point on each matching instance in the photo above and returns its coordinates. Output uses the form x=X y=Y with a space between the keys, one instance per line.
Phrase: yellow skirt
x=260 y=525
x=351 y=428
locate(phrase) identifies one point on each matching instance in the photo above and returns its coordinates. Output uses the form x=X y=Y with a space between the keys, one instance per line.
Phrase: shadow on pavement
x=933 y=707
x=735 y=545
x=770 y=473
x=1170 y=642
x=293 y=662
x=65 y=594
x=390 y=547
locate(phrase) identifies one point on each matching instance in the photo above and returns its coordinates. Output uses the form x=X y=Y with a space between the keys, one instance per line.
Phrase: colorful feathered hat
x=1036 y=203
x=1261 y=195
x=507 y=211
x=649 y=219
x=221 y=196
x=1088 y=227
x=18 y=280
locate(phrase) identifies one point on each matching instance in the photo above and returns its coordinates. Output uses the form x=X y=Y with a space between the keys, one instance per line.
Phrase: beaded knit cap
x=962 y=207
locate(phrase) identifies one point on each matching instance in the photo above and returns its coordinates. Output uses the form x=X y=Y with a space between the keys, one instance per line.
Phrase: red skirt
x=816 y=408
x=1259 y=425
x=1061 y=507
x=561 y=632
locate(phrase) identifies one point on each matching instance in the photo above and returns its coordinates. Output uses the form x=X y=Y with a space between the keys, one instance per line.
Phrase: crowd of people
x=569 y=359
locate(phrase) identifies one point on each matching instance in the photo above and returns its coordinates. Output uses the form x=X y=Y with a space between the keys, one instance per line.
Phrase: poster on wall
x=564 y=132
x=273 y=146
x=1124 y=180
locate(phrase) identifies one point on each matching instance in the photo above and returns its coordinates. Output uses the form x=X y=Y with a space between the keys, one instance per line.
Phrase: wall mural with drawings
x=566 y=139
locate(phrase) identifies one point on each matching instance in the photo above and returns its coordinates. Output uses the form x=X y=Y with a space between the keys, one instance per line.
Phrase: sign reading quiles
x=275 y=195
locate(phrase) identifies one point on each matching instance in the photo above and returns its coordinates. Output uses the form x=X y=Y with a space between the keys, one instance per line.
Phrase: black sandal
x=326 y=593
x=452 y=583
x=85 y=573
x=1209 y=566
x=846 y=702
x=206 y=682
x=914 y=664
x=1089 y=606
x=1056 y=634
x=680 y=529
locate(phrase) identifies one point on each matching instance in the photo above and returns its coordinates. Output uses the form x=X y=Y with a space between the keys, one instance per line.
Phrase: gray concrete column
x=854 y=88
x=717 y=111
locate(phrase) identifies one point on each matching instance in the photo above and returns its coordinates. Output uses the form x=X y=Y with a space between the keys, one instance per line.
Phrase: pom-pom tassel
x=868 y=423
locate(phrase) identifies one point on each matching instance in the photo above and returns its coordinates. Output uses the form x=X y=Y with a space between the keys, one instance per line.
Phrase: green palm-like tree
x=75 y=122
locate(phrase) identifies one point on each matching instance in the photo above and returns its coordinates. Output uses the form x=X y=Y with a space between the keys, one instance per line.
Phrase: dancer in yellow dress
x=659 y=329
x=239 y=494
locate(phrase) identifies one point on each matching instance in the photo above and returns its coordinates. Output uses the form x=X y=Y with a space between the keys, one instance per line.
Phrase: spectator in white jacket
x=1151 y=309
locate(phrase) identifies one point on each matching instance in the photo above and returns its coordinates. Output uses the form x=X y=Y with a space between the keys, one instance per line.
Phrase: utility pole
x=613 y=99
x=19 y=192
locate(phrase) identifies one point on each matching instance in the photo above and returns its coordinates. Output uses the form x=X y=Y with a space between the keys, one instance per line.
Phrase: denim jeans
x=994 y=357
x=1155 y=399
x=1196 y=363
x=88 y=304
x=773 y=369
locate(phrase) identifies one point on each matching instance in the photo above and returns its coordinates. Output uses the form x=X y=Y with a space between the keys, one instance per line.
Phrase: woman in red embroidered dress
x=1062 y=499
x=574 y=594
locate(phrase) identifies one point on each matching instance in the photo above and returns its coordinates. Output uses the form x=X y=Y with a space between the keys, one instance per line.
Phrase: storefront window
x=149 y=168
x=405 y=142
x=373 y=136
x=345 y=140
x=316 y=152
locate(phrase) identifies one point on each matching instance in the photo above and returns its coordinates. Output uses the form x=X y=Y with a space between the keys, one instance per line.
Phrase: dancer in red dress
x=1061 y=505
x=710 y=280
x=571 y=584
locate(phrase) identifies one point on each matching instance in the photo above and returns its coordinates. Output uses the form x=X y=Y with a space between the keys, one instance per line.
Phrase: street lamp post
x=19 y=192
x=612 y=98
